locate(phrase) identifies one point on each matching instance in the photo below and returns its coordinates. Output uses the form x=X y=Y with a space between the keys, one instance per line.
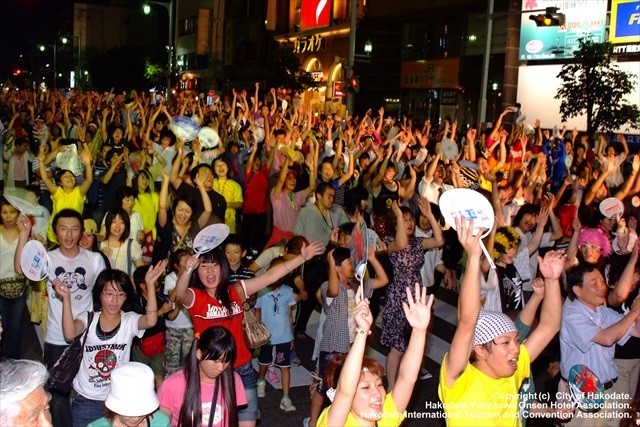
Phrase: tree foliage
x=285 y=70
x=594 y=86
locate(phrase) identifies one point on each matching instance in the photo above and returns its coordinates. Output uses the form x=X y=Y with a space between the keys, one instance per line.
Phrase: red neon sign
x=315 y=13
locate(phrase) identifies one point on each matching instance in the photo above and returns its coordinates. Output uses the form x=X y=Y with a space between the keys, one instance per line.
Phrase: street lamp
x=42 y=48
x=146 y=8
x=64 y=41
x=368 y=47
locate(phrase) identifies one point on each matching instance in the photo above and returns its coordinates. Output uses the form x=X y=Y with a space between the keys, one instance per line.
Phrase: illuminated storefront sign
x=584 y=19
x=315 y=13
x=439 y=73
x=308 y=44
x=625 y=21
x=337 y=89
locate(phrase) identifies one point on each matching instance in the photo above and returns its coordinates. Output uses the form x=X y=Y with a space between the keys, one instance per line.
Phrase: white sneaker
x=424 y=374
x=260 y=386
x=286 y=405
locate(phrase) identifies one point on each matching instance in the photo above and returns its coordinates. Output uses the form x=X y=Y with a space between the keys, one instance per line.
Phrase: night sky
x=27 y=23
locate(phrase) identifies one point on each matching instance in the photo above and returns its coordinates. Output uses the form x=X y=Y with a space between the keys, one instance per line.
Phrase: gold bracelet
x=363 y=332
x=152 y=311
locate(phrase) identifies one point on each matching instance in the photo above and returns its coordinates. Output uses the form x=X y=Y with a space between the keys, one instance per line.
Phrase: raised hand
x=469 y=242
x=61 y=289
x=154 y=272
x=417 y=309
x=538 y=286
x=552 y=264
x=311 y=250
x=424 y=206
x=192 y=263
x=543 y=216
x=362 y=314
x=24 y=225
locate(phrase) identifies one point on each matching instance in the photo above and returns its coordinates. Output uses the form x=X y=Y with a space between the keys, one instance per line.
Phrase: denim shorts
x=251 y=412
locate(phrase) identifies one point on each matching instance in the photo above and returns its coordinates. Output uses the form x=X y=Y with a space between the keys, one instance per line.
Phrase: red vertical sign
x=315 y=13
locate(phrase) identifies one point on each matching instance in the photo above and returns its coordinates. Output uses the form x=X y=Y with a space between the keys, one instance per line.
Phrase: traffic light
x=551 y=18
x=354 y=84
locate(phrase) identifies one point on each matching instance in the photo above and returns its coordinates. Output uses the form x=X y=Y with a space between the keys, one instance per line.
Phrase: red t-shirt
x=206 y=311
x=256 y=190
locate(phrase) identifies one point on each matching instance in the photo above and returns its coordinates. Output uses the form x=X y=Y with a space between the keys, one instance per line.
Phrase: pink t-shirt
x=285 y=211
x=173 y=390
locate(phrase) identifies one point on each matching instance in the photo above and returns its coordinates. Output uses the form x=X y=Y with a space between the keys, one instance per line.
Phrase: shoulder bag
x=255 y=333
x=66 y=368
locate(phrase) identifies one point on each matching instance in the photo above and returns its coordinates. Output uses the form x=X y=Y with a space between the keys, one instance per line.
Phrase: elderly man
x=23 y=401
x=588 y=336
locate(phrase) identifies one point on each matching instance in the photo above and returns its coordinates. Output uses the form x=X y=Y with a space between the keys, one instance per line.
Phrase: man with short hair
x=23 y=400
x=78 y=269
x=587 y=336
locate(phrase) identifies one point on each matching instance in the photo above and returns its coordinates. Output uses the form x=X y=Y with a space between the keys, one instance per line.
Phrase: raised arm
x=150 y=318
x=383 y=168
x=87 y=161
x=206 y=200
x=352 y=366
x=417 y=310
x=381 y=275
x=457 y=358
x=551 y=268
x=625 y=284
x=71 y=327
x=333 y=284
x=254 y=284
x=438 y=238
x=401 y=239
x=282 y=176
x=24 y=225
x=163 y=201
x=45 y=177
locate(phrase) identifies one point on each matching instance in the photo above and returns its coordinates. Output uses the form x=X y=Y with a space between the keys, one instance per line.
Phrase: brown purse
x=255 y=333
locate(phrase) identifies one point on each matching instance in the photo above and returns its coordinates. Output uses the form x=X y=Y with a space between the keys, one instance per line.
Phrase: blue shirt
x=274 y=314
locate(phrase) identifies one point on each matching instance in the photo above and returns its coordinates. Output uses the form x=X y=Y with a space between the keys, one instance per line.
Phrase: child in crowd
x=150 y=349
x=179 y=328
x=234 y=251
x=338 y=294
x=275 y=310
x=207 y=386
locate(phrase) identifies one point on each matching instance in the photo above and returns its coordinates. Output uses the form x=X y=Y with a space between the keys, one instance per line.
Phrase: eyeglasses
x=588 y=246
x=111 y=295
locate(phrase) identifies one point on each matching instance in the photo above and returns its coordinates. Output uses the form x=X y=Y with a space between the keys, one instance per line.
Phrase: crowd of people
x=106 y=183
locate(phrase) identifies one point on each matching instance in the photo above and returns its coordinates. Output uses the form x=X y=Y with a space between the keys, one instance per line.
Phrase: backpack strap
x=129 y=257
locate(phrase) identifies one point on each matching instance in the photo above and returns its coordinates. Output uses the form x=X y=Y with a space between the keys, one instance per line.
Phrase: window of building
x=188 y=25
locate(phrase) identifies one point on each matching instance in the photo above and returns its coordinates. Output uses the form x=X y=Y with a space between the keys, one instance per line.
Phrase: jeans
x=249 y=380
x=12 y=311
x=60 y=404
x=85 y=410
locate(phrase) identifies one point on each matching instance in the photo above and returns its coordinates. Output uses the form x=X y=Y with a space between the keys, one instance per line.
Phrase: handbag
x=13 y=287
x=153 y=345
x=255 y=333
x=66 y=368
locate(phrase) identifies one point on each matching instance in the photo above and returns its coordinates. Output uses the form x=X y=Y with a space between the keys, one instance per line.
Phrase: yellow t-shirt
x=476 y=399
x=146 y=205
x=232 y=193
x=62 y=200
x=390 y=415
